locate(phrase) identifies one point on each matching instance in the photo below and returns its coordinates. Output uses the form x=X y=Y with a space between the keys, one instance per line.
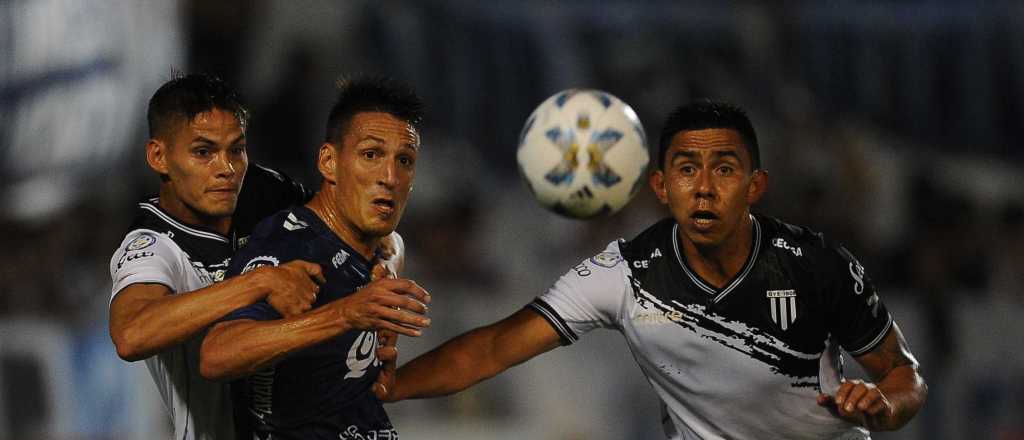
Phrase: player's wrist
x=256 y=284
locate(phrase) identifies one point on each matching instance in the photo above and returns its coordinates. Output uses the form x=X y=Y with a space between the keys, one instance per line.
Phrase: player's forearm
x=240 y=348
x=141 y=329
x=454 y=366
x=906 y=391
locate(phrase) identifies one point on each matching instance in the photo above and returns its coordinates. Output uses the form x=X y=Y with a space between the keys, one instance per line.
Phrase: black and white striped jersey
x=160 y=249
x=745 y=361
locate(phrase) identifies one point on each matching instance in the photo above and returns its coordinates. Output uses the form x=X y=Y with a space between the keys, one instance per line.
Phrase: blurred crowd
x=875 y=128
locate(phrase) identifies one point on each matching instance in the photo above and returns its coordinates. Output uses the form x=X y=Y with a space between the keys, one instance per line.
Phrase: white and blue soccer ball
x=583 y=153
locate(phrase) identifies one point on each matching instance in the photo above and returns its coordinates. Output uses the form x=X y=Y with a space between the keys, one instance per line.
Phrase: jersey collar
x=707 y=288
x=153 y=206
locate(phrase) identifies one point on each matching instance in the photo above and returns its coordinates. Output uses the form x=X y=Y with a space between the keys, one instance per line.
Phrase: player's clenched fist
x=291 y=287
x=859 y=402
x=394 y=304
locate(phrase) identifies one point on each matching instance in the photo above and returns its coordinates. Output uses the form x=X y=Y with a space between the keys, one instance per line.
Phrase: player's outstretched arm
x=147 y=318
x=242 y=347
x=896 y=395
x=472 y=357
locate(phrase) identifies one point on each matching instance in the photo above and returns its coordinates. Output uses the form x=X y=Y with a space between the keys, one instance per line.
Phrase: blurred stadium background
x=893 y=126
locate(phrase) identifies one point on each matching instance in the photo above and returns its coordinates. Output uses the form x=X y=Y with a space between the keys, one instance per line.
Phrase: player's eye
x=201 y=151
x=238 y=149
x=406 y=160
x=688 y=169
x=726 y=170
x=370 y=154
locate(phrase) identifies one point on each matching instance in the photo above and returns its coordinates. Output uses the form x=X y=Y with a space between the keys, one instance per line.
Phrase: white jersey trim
x=151 y=207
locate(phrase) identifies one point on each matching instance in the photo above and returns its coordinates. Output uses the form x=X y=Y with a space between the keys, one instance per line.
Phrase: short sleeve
x=145 y=256
x=861 y=320
x=260 y=310
x=588 y=296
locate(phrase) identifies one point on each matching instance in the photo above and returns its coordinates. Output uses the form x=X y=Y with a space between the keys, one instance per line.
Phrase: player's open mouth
x=703 y=219
x=384 y=206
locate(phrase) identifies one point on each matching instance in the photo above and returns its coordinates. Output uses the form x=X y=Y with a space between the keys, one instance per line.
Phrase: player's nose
x=223 y=166
x=388 y=176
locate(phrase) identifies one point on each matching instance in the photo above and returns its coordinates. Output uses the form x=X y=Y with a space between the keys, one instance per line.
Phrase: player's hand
x=859 y=402
x=395 y=304
x=387 y=353
x=292 y=286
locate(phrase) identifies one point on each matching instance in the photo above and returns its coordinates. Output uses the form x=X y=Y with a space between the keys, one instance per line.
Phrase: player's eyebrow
x=203 y=140
x=685 y=154
x=240 y=140
x=727 y=153
x=207 y=141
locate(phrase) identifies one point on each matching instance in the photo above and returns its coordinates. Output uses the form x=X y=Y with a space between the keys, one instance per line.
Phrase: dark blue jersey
x=323 y=391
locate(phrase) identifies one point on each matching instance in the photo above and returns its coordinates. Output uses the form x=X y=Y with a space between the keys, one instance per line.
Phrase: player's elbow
x=219 y=357
x=129 y=345
x=213 y=361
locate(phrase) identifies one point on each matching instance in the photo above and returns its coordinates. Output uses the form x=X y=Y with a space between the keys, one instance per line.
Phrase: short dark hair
x=360 y=94
x=186 y=96
x=709 y=114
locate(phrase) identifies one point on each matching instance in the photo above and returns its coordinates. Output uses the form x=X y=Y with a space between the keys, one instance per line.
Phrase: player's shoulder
x=610 y=258
x=143 y=248
x=281 y=237
x=648 y=241
x=802 y=243
x=144 y=240
x=288 y=225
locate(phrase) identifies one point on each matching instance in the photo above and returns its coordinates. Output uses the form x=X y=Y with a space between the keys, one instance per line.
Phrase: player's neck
x=721 y=263
x=321 y=206
x=174 y=206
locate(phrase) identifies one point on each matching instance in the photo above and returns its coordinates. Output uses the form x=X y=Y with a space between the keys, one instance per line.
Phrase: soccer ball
x=583 y=153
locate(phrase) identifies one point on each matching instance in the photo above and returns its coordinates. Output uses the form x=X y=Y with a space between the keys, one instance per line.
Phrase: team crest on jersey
x=260 y=261
x=783 y=306
x=143 y=241
x=606 y=259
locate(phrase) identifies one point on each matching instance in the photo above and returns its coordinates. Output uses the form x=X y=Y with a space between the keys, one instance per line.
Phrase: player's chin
x=379 y=227
x=221 y=208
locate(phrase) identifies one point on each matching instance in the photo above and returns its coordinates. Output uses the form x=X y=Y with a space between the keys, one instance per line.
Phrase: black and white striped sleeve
x=588 y=296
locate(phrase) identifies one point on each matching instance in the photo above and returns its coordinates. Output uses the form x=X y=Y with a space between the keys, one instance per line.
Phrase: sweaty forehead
x=215 y=120
x=712 y=140
x=382 y=126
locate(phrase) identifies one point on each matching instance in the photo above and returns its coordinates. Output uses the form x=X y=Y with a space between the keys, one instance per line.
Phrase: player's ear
x=326 y=161
x=758 y=185
x=657 y=182
x=156 y=156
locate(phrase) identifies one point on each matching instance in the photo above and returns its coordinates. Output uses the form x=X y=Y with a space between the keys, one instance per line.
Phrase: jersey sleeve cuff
x=866 y=348
x=551 y=316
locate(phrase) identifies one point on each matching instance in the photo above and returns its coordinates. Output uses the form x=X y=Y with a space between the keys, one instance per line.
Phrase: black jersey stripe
x=874 y=342
x=548 y=313
x=171 y=221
